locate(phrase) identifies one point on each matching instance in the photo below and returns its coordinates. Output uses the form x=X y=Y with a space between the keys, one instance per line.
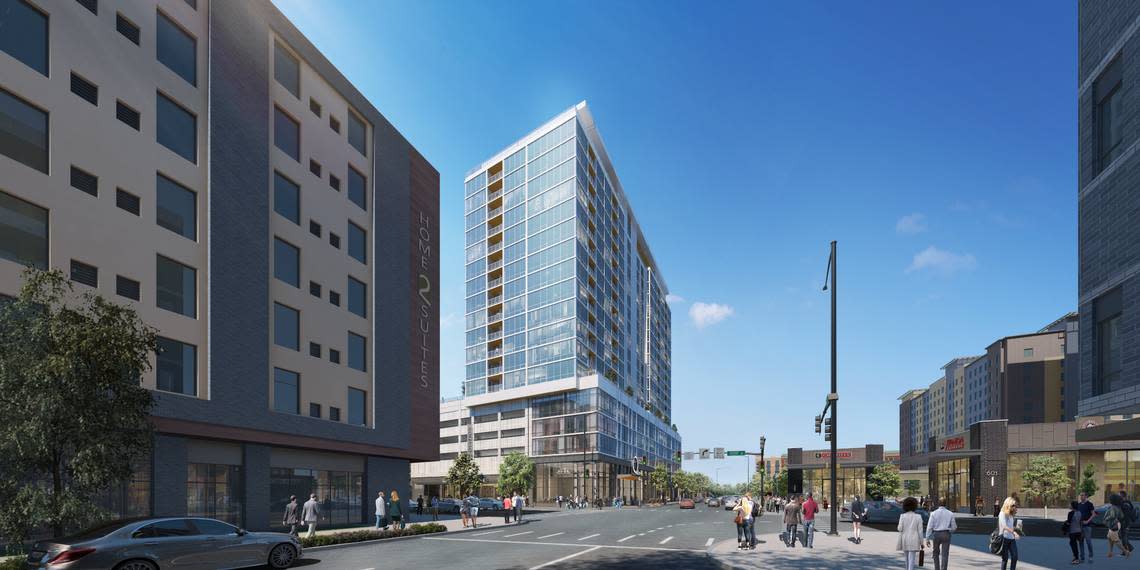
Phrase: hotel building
x=204 y=164
x=567 y=328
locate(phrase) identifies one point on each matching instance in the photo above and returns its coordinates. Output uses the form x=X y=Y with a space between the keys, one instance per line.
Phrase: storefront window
x=340 y=493
x=214 y=491
x=851 y=481
x=1019 y=462
x=132 y=498
x=952 y=484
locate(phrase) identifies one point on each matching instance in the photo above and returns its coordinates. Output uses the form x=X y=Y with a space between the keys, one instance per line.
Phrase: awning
x=1113 y=431
x=628 y=477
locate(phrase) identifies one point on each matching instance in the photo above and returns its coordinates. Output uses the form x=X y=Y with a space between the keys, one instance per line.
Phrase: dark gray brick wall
x=255 y=480
x=168 y=483
x=387 y=475
x=1109 y=206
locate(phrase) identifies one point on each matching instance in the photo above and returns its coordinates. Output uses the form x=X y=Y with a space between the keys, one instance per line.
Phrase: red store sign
x=954 y=443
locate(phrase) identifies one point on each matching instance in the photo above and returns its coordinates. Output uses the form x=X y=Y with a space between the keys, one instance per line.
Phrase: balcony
x=494 y=282
x=494 y=213
x=493 y=247
x=496 y=300
x=493 y=178
x=492 y=196
x=494 y=353
x=495 y=317
x=494 y=370
x=495 y=335
x=495 y=265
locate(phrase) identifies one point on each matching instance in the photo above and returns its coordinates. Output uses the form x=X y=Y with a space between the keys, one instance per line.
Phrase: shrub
x=363 y=535
x=12 y=563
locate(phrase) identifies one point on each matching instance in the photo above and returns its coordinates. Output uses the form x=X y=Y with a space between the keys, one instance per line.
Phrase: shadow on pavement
x=616 y=559
x=780 y=559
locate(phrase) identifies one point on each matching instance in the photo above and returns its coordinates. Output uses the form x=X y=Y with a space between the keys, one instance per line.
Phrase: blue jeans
x=1009 y=553
x=809 y=530
x=379 y=519
x=1086 y=535
x=750 y=531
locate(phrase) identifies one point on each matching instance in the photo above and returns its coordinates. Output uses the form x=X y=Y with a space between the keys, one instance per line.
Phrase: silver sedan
x=149 y=544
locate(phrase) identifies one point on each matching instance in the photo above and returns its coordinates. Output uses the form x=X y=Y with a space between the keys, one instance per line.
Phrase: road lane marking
x=709 y=543
x=654 y=530
x=565 y=558
x=550 y=535
x=627 y=538
x=517 y=534
x=532 y=543
x=590 y=536
x=488 y=532
x=666 y=540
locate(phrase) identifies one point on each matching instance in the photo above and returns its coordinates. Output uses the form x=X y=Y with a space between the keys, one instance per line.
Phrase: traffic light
x=829 y=429
x=677 y=456
x=818 y=423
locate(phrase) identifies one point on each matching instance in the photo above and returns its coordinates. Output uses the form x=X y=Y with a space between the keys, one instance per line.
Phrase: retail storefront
x=988 y=462
x=809 y=471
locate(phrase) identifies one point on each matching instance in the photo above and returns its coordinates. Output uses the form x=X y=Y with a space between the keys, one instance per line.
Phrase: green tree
x=912 y=486
x=463 y=476
x=659 y=478
x=1047 y=478
x=778 y=485
x=75 y=414
x=884 y=481
x=1088 y=480
x=516 y=474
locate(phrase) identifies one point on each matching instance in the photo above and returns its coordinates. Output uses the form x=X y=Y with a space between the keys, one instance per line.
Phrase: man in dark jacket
x=290 y=518
x=1129 y=520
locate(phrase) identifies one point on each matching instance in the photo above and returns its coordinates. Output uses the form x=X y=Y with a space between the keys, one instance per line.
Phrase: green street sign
x=730 y=453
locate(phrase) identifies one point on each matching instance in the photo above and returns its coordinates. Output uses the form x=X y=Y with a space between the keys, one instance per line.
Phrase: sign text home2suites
x=425 y=298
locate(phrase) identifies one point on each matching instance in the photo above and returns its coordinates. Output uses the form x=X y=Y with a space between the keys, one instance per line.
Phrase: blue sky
x=935 y=141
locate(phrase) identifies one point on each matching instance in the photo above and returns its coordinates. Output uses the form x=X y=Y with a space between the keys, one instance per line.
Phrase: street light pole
x=835 y=403
x=763 y=467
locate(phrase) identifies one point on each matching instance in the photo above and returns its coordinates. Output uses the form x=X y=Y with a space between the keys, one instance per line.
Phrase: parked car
x=149 y=544
x=729 y=502
x=490 y=505
x=1098 y=516
x=686 y=504
x=449 y=506
x=888 y=512
x=712 y=502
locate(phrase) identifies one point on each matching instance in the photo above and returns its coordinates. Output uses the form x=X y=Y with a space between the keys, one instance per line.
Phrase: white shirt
x=941 y=519
x=380 y=506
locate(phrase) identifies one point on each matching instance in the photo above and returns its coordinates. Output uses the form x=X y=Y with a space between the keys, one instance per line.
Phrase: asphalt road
x=666 y=538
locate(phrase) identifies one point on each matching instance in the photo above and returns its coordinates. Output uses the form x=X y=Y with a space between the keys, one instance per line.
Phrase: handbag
x=996 y=542
x=922 y=557
x=739 y=517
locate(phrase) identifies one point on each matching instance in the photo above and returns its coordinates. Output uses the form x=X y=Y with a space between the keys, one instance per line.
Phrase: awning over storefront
x=1112 y=431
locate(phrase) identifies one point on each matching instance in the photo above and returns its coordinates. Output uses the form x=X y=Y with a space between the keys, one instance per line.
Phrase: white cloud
x=941 y=261
x=706 y=314
x=911 y=224
x=671 y=298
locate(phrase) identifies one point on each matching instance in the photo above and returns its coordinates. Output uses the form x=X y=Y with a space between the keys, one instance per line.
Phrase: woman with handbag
x=858 y=511
x=1072 y=528
x=910 y=532
x=1010 y=533
x=1112 y=521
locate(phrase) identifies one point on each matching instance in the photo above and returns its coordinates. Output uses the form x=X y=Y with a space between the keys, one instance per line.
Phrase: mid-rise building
x=1020 y=378
x=205 y=164
x=566 y=317
x=1108 y=281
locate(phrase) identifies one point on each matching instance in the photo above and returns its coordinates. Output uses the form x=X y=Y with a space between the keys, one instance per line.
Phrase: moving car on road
x=686 y=504
x=729 y=502
x=149 y=544
x=712 y=502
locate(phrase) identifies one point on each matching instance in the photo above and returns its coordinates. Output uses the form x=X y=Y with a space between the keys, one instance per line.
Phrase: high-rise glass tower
x=566 y=308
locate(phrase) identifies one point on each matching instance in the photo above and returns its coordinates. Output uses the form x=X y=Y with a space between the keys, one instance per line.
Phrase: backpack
x=1129 y=511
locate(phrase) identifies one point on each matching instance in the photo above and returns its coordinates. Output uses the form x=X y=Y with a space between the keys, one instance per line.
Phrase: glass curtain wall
x=340 y=493
x=952 y=484
x=851 y=481
x=1122 y=472
x=214 y=491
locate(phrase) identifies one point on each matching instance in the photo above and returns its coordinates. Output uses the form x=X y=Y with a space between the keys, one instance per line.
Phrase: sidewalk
x=878 y=551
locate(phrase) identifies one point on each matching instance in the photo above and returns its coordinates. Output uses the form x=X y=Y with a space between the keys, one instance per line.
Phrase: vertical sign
x=423 y=218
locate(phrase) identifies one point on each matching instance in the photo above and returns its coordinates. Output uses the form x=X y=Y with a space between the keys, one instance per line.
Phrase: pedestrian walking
x=1114 y=522
x=517 y=503
x=435 y=508
x=939 y=529
x=1010 y=533
x=311 y=514
x=290 y=518
x=979 y=507
x=559 y=502
x=381 y=511
x=1088 y=512
x=997 y=507
x=791 y=522
x=464 y=508
x=396 y=511
x=1072 y=528
x=420 y=505
x=910 y=532
x=473 y=509
x=507 y=507
x=757 y=512
x=1130 y=519
x=858 y=510
x=744 y=520
x=810 y=508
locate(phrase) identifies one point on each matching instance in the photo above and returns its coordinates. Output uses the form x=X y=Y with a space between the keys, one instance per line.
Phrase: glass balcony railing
x=495 y=300
x=493 y=247
x=494 y=265
x=496 y=335
x=495 y=317
x=494 y=195
x=494 y=212
x=493 y=370
x=494 y=178
x=494 y=282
